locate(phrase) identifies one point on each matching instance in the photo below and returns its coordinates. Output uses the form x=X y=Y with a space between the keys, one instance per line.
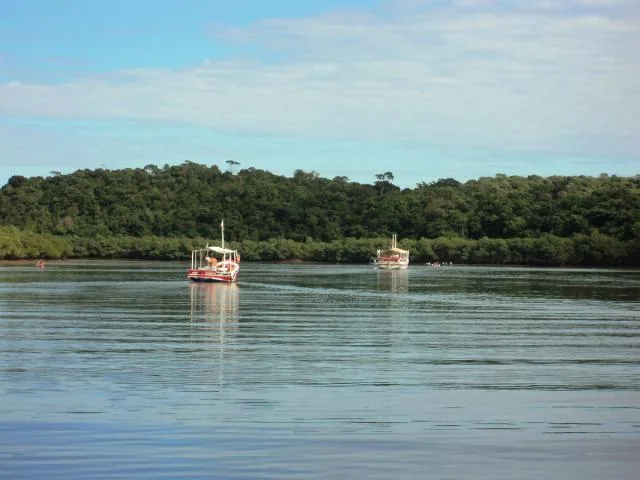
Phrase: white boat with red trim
x=392 y=258
x=214 y=264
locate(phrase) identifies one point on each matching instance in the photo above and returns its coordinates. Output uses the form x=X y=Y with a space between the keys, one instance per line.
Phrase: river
x=126 y=370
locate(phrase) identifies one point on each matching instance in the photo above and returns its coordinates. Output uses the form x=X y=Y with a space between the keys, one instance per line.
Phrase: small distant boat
x=214 y=264
x=438 y=264
x=393 y=258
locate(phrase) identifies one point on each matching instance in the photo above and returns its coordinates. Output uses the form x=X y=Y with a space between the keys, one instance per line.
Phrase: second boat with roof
x=392 y=258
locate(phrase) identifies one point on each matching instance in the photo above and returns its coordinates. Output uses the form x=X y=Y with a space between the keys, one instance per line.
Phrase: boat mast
x=222 y=229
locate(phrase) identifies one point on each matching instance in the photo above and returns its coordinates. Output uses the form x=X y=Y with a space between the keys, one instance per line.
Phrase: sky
x=425 y=89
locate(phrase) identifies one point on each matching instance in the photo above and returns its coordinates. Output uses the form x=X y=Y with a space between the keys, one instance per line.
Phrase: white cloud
x=529 y=76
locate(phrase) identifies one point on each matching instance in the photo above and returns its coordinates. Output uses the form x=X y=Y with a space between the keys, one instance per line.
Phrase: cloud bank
x=540 y=76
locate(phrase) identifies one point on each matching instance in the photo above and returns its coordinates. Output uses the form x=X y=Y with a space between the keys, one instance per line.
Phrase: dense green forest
x=155 y=212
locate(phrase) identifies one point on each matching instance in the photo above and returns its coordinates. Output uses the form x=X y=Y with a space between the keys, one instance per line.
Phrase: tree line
x=548 y=250
x=155 y=212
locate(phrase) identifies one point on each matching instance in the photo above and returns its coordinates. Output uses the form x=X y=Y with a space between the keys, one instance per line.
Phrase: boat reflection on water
x=394 y=281
x=214 y=307
x=214 y=320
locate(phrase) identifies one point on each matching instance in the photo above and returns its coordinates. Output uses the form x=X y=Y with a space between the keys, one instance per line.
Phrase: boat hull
x=200 y=275
x=392 y=266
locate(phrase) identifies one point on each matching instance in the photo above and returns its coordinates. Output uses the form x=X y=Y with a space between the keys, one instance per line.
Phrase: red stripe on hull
x=207 y=276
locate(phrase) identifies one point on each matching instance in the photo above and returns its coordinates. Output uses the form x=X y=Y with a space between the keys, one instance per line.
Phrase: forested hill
x=189 y=200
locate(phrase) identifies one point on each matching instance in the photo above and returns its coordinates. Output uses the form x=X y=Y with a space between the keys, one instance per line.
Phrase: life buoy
x=228 y=266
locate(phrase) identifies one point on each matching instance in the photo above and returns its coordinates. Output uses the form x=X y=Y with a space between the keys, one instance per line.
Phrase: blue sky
x=426 y=89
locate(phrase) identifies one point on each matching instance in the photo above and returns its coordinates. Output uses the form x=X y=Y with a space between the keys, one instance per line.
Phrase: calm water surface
x=126 y=370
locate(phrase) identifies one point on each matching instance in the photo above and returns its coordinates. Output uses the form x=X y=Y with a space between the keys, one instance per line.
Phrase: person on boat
x=212 y=262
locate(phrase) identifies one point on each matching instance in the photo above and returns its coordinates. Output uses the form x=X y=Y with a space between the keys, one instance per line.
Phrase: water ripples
x=125 y=369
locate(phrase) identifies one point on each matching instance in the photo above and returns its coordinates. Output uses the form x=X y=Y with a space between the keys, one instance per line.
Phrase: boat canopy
x=221 y=250
x=395 y=250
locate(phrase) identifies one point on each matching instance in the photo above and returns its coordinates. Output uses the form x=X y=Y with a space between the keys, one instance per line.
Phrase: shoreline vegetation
x=162 y=213
x=548 y=250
